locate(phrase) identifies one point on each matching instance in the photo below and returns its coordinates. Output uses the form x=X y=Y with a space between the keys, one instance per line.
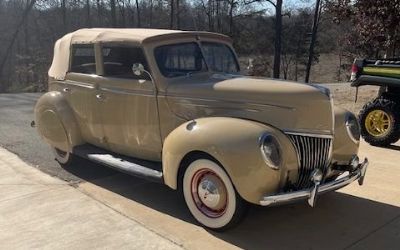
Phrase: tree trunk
x=123 y=15
x=171 y=14
x=15 y=35
x=278 y=39
x=138 y=14
x=232 y=6
x=26 y=33
x=178 y=23
x=313 y=39
x=210 y=16
x=151 y=14
x=113 y=14
x=218 y=16
x=64 y=15
x=98 y=5
x=88 y=19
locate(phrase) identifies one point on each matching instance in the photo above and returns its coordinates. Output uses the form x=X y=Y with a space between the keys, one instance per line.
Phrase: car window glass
x=219 y=57
x=83 y=59
x=118 y=61
x=179 y=59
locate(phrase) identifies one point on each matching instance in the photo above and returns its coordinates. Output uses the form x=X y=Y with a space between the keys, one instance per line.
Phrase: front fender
x=343 y=146
x=56 y=123
x=234 y=143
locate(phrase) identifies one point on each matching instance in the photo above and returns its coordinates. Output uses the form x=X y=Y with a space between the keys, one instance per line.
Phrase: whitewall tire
x=211 y=196
x=62 y=157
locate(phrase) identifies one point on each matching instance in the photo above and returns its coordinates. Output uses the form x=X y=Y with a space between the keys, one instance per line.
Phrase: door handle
x=100 y=97
x=66 y=90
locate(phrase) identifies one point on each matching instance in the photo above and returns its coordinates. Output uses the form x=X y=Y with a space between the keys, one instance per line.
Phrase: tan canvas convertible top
x=60 y=64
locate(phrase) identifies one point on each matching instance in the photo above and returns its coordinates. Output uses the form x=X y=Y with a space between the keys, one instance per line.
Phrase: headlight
x=353 y=127
x=271 y=151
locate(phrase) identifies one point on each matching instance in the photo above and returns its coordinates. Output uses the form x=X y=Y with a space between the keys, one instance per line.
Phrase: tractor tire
x=380 y=122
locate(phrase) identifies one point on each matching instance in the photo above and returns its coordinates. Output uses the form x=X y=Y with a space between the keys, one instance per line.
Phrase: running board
x=149 y=170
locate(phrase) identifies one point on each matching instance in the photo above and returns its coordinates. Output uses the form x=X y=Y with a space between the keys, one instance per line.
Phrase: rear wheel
x=380 y=122
x=211 y=196
x=63 y=157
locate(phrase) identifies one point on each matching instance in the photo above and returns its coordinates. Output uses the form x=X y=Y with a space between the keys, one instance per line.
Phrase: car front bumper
x=312 y=193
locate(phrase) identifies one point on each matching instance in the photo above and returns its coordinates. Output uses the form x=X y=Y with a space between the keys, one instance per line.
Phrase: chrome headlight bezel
x=326 y=91
x=353 y=127
x=273 y=156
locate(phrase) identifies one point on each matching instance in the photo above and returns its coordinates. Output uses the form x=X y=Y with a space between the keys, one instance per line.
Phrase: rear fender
x=56 y=123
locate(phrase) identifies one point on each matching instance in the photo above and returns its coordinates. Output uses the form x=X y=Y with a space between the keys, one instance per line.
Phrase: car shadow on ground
x=339 y=220
x=393 y=147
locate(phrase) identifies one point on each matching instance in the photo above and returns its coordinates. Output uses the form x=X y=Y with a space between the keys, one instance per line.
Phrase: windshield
x=219 y=57
x=180 y=59
x=187 y=58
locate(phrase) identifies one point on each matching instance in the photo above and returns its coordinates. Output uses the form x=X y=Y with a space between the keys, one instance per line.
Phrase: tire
x=380 y=122
x=219 y=212
x=63 y=158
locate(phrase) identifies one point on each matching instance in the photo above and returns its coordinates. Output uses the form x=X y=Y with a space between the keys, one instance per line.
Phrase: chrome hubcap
x=209 y=193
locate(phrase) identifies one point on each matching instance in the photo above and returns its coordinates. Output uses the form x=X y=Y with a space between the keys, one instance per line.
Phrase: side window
x=118 y=61
x=83 y=59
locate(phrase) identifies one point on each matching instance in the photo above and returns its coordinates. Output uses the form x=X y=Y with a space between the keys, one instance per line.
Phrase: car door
x=80 y=88
x=128 y=104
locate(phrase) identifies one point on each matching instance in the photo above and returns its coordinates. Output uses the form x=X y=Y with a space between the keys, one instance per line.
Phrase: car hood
x=286 y=105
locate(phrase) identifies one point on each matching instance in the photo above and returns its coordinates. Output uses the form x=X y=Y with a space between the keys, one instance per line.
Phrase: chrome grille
x=313 y=152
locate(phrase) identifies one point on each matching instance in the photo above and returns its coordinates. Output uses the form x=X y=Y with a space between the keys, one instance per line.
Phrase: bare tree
x=278 y=38
x=313 y=39
x=138 y=14
x=15 y=35
x=25 y=47
x=113 y=14
x=64 y=14
x=178 y=23
x=88 y=19
x=277 y=4
x=232 y=6
x=99 y=5
x=151 y=13
x=171 y=15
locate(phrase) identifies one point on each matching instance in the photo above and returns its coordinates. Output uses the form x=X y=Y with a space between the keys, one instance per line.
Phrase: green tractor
x=379 y=118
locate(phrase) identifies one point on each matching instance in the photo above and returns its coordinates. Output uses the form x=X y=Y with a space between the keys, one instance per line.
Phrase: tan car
x=172 y=107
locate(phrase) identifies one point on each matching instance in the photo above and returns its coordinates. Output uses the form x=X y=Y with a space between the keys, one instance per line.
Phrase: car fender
x=56 y=123
x=234 y=143
x=343 y=146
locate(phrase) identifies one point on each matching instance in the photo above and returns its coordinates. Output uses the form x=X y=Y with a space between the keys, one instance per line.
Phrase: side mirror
x=250 y=64
x=138 y=69
x=250 y=67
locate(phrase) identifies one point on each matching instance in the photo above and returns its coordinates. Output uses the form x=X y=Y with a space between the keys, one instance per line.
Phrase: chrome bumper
x=312 y=193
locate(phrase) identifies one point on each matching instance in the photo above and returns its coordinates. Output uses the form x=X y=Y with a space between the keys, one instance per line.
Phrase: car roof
x=138 y=35
x=60 y=64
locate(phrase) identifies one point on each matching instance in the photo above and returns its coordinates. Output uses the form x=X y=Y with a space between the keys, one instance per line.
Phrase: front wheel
x=211 y=196
x=380 y=122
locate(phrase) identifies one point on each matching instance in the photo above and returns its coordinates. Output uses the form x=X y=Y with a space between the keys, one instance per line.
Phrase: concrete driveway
x=355 y=217
x=366 y=217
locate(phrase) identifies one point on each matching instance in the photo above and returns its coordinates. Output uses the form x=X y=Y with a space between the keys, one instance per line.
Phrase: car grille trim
x=313 y=152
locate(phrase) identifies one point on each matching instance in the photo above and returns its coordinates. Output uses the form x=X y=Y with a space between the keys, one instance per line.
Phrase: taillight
x=354 y=72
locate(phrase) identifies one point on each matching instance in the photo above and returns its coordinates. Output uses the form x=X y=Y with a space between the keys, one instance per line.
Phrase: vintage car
x=172 y=107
